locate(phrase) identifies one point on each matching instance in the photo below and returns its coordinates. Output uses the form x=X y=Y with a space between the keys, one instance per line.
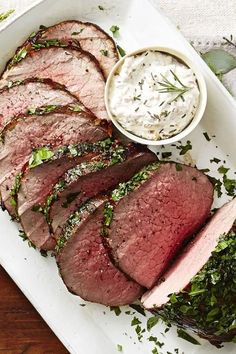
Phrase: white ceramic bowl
x=198 y=114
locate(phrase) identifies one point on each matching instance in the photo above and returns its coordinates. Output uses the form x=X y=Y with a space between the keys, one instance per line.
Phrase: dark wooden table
x=22 y=330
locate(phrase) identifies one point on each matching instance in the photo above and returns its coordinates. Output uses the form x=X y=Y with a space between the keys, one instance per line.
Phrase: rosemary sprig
x=169 y=87
x=230 y=41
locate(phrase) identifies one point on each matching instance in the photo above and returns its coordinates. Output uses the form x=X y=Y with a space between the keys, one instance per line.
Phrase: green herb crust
x=108 y=158
x=74 y=220
x=44 y=154
x=5 y=15
x=208 y=304
x=15 y=188
x=31 y=45
x=122 y=190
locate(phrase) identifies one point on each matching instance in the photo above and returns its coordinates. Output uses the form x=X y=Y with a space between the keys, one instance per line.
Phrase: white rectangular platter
x=92 y=328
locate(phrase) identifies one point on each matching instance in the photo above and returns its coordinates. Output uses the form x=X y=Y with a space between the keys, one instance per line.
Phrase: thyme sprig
x=169 y=87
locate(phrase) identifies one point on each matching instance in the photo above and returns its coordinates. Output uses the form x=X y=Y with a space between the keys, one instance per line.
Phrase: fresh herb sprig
x=169 y=87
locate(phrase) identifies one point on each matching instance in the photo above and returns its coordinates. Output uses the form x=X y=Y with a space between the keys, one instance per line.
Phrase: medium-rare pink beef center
x=151 y=223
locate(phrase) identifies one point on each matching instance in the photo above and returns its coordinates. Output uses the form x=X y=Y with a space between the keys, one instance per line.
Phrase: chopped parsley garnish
x=24 y=237
x=223 y=170
x=5 y=15
x=205 y=170
x=135 y=321
x=76 y=108
x=32 y=35
x=140 y=177
x=206 y=136
x=230 y=186
x=209 y=300
x=138 y=308
x=119 y=348
x=108 y=214
x=15 y=188
x=42 y=28
x=14 y=83
x=166 y=154
x=115 y=30
x=185 y=148
x=21 y=54
x=76 y=33
x=178 y=167
x=217 y=185
x=42 y=110
x=139 y=331
x=104 y=52
x=101 y=7
x=43 y=253
x=109 y=157
x=215 y=159
x=39 y=156
x=116 y=309
x=151 y=322
x=156 y=341
x=184 y=335
x=121 y=51
x=69 y=199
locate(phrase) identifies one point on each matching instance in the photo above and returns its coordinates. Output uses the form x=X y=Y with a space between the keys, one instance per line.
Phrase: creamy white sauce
x=137 y=104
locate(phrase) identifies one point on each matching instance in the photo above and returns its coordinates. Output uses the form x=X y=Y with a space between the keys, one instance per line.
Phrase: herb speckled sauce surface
x=153 y=95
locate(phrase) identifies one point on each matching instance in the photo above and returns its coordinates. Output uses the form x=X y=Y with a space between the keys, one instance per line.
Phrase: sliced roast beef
x=166 y=204
x=77 y=70
x=40 y=185
x=81 y=189
x=29 y=94
x=84 y=261
x=198 y=290
x=88 y=36
x=25 y=133
x=35 y=186
x=58 y=202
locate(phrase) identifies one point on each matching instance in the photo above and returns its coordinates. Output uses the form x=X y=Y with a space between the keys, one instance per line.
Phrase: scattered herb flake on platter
x=121 y=51
x=151 y=322
x=215 y=159
x=119 y=348
x=5 y=15
x=116 y=309
x=115 y=30
x=185 y=148
x=138 y=308
x=184 y=335
x=207 y=136
x=166 y=154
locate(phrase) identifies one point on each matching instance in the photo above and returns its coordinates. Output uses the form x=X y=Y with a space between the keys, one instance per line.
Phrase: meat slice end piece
x=194 y=257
